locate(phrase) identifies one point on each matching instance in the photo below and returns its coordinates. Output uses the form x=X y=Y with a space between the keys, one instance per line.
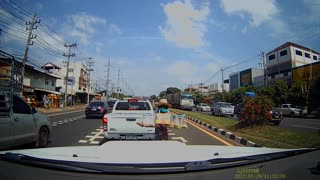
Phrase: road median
x=266 y=135
x=58 y=110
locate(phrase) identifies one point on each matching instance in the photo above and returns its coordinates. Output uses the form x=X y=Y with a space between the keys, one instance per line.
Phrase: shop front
x=53 y=96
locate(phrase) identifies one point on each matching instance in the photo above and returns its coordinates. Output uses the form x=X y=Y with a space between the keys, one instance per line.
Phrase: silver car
x=222 y=109
x=22 y=124
x=203 y=107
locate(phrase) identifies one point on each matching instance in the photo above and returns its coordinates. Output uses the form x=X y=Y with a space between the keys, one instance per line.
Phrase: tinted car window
x=21 y=107
x=133 y=106
x=111 y=103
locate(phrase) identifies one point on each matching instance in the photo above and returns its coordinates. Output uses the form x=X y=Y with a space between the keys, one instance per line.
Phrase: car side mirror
x=34 y=110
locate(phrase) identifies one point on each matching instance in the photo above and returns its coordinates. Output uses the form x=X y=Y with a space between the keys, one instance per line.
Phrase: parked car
x=222 y=109
x=203 y=107
x=97 y=109
x=21 y=124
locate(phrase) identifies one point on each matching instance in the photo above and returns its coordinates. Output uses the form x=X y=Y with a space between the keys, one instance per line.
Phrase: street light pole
x=89 y=64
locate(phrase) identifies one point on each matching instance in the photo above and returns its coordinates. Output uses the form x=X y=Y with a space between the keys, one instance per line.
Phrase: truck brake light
x=105 y=120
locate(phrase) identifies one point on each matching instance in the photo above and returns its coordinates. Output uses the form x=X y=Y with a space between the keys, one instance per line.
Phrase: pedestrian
x=48 y=103
x=44 y=101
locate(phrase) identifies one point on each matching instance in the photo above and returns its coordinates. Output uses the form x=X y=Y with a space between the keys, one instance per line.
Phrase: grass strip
x=266 y=135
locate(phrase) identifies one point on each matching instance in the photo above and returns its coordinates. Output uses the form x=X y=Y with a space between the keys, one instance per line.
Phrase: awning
x=49 y=91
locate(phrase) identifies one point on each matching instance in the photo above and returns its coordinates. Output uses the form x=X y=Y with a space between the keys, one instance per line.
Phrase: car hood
x=143 y=152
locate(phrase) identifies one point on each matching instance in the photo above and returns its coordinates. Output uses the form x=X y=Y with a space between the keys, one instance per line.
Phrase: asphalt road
x=311 y=125
x=73 y=129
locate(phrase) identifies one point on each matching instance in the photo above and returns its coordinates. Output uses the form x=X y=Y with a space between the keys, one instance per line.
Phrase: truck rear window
x=133 y=106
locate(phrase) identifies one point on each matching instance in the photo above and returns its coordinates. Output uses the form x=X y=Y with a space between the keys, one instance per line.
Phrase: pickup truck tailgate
x=131 y=122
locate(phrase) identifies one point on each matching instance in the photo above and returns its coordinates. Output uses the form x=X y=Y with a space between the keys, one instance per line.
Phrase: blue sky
x=157 y=44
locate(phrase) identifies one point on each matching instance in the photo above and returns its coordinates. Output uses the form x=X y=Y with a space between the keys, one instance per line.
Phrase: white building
x=282 y=59
x=78 y=79
x=217 y=87
x=199 y=89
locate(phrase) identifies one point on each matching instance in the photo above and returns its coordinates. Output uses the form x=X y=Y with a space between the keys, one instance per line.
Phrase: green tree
x=236 y=95
x=222 y=96
x=171 y=90
x=280 y=92
x=314 y=95
x=153 y=97
x=163 y=94
x=198 y=98
x=266 y=91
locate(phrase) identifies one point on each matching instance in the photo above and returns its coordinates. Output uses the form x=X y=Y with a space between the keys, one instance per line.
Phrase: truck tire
x=276 y=123
x=219 y=114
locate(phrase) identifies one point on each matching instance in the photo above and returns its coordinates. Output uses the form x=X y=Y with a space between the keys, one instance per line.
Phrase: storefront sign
x=28 y=89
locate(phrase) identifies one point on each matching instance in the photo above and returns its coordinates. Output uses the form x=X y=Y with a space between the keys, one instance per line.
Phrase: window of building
x=298 y=52
x=307 y=55
x=52 y=83
x=315 y=57
x=285 y=74
x=272 y=76
x=283 y=53
x=35 y=77
x=271 y=57
x=79 y=88
x=70 y=69
x=46 y=82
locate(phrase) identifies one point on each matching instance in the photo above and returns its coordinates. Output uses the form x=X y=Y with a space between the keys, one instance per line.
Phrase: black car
x=276 y=117
x=111 y=103
x=97 y=109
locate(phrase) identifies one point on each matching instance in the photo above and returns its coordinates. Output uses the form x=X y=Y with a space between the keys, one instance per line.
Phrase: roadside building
x=251 y=76
x=217 y=87
x=204 y=90
x=306 y=72
x=78 y=80
x=282 y=60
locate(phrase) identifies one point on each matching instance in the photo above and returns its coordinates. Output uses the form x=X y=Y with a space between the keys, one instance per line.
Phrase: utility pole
x=265 y=70
x=89 y=65
x=30 y=36
x=67 y=74
x=118 y=88
x=222 y=79
x=108 y=76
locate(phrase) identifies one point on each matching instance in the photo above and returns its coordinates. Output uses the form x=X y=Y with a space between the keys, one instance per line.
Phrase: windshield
x=224 y=72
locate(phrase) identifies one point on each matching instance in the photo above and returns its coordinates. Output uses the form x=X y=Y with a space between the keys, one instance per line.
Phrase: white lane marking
x=181 y=139
x=94 y=142
x=97 y=135
x=54 y=125
x=305 y=127
x=82 y=141
x=67 y=120
x=60 y=123
x=171 y=134
x=94 y=132
x=64 y=113
x=100 y=127
x=169 y=130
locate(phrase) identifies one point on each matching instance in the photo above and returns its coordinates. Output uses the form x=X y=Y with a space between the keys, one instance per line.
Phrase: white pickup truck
x=131 y=119
x=290 y=110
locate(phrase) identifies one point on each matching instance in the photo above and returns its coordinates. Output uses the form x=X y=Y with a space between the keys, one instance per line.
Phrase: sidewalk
x=63 y=109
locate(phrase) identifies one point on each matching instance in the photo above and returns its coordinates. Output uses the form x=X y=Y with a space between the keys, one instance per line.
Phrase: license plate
x=94 y=109
x=131 y=137
x=276 y=116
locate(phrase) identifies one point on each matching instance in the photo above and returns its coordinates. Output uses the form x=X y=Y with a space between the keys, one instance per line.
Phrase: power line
x=14 y=35
x=18 y=8
x=11 y=13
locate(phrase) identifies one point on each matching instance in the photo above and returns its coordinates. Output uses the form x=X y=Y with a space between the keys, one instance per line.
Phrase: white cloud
x=182 y=69
x=260 y=11
x=114 y=30
x=213 y=67
x=82 y=26
x=185 y=24
x=244 y=30
x=40 y=5
x=313 y=10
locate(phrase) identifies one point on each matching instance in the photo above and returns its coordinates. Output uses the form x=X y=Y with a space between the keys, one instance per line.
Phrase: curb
x=225 y=133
